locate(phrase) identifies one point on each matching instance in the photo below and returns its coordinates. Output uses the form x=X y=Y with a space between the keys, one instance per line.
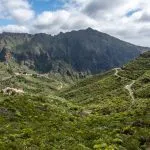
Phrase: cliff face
x=87 y=51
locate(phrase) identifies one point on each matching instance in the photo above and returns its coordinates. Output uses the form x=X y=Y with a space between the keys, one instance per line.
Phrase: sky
x=128 y=20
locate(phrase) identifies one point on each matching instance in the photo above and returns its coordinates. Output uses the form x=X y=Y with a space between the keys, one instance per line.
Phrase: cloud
x=51 y=21
x=126 y=19
x=145 y=17
x=14 y=28
x=99 y=6
x=61 y=20
x=19 y=10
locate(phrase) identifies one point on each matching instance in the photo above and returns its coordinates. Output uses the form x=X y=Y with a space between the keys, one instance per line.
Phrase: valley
x=110 y=110
x=74 y=75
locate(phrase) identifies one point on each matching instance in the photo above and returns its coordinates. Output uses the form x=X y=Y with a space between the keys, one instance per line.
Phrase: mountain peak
x=90 y=29
x=85 y=51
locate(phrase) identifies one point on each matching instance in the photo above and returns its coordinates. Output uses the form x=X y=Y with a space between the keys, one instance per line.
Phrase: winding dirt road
x=116 y=72
x=128 y=87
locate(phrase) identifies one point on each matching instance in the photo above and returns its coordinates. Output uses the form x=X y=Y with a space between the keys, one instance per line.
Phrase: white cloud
x=61 y=21
x=19 y=10
x=14 y=28
x=51 y=21
x=117 y=17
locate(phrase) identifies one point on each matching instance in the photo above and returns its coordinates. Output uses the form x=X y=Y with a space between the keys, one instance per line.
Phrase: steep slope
x=84 y=51
x=117 y=104
x=97 y=113
x=15 y=76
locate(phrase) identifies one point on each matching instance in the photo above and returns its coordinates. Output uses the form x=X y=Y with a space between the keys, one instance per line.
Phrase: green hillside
x=110 y=111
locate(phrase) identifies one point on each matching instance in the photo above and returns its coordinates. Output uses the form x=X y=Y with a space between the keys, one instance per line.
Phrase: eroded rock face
x=12 y=91
x=80 y=51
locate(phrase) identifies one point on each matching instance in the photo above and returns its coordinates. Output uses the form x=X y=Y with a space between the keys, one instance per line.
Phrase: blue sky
x=125 y=19
x=38 y=6
x=46 y=5
x=6 y=22
x=132 y=12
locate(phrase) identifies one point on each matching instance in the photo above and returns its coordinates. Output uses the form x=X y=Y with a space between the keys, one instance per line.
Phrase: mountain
x=108 y=111
x=74 y=53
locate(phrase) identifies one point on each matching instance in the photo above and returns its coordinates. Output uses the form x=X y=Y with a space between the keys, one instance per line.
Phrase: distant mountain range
x=84 y=51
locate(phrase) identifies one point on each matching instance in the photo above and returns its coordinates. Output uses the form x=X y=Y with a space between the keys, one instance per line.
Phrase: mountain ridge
x=84 y=51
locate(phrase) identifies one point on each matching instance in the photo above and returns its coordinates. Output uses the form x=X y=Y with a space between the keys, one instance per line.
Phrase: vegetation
x=96 y=113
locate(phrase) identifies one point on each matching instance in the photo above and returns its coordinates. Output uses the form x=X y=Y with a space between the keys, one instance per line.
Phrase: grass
x=93 y=114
